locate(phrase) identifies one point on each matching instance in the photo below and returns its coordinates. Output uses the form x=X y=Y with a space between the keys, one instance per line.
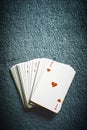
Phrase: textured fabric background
x=54 y=29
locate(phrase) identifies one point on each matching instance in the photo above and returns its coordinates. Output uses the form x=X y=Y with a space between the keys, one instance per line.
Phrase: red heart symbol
x=54 y=84
x=58 y=100
x=48 y=69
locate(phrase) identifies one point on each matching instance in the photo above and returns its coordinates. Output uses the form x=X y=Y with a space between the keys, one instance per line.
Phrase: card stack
x=43 y=82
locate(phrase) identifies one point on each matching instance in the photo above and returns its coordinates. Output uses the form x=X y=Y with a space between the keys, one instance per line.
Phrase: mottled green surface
x=55 y=29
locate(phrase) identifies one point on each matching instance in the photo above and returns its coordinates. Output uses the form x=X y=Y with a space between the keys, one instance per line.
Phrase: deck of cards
x=43 y=82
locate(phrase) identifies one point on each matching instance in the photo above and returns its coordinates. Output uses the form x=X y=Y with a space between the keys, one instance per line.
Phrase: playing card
x=24 y=75
x=37 y=71
x=53 y=86
x=35 y=66
x=41 y=66
x=14 y=73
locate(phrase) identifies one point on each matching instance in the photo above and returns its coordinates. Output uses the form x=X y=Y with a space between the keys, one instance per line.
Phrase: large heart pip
x=54 y=84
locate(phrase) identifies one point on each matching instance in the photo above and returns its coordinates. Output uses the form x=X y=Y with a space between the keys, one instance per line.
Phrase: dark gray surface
x=43 y=28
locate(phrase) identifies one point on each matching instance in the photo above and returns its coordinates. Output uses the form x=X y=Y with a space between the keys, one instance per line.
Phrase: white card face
x=24 y=72
x=35 y=65
x=53 y=86
x=17 y=81
x=42 y=64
